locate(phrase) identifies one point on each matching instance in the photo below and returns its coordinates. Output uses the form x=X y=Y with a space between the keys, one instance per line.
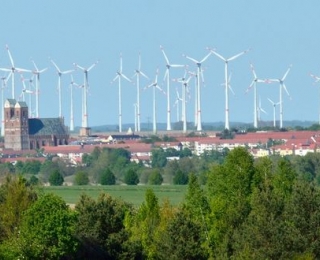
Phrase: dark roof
x=46 y=126
x=21 y=104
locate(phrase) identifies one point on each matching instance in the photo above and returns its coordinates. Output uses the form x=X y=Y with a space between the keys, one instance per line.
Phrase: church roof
x=10 y=102
x=46 y=126
x=21 y=104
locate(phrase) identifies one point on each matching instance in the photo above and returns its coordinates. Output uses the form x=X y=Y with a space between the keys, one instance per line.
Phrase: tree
x=31 y=167
x=81 y=178
x=100 y=227
x=180 y=178
x=47 y=230
x=107 y=177
x=155 y=177
x=131 y=177
x=33 y=180
x=158 y=158
x=56 y=178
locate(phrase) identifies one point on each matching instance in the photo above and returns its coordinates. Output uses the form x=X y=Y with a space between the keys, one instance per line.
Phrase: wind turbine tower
x=60 y=73
x=155 y=86
x=199 y=73
x=85 y=130
x=37 y=73
x=282 y=86
x=167 y=77
x=226 y=62
x=139 y=73
x=118 y=77
x=3 y=86
x=72 y=85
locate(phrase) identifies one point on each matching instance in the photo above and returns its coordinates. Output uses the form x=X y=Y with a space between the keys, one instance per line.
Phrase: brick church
x=24 y=133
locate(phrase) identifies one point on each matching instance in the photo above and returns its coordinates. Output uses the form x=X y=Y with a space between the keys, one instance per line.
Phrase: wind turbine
x=317 y=79
x=135 y=117
x=4 y=80
x=282 y=86
x=12 y=71
x=260 y=109
x=176 y=103
x=226 y=62
x=167 y=77
x=155 y=86
x=199 y=73
x=24 y=89
x=72 y=84
x=60 y=73
x=138 y=73
x=274 y=111
x=253 y=85
x=118 y=77
x=37 y=73
x=185 y=83
x=85 y=92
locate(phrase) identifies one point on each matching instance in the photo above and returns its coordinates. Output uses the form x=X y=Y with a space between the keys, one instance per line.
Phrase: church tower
x=16 y=135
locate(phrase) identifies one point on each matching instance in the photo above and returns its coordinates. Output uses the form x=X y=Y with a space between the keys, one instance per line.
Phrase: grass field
x=131 y=194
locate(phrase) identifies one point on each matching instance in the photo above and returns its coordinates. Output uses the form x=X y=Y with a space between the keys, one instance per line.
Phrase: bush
x=107 y=177
x=180 y=178
x=81 y=178
x=155 y=177
x=131 y=177
x=56 y=178
x=33 y=180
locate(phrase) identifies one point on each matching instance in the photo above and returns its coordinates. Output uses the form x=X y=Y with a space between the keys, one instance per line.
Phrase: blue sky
x=280 y=33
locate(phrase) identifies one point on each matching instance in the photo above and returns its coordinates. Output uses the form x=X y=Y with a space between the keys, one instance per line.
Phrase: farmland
x=132 y=194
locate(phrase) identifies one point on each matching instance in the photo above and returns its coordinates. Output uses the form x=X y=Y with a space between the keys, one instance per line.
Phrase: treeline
x=248 y=209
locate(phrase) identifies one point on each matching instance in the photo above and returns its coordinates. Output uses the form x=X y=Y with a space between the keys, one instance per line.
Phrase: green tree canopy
x=81 y=178
x=56 y=178
x=107 y=177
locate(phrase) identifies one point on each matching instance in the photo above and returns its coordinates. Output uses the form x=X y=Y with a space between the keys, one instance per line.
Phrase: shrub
x=107 y=177
x=131 y=177
x=56 y=178
x=81 y=178
x=155 y=177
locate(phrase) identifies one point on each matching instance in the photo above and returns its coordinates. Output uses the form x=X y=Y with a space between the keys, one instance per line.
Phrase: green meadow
x=132 y=194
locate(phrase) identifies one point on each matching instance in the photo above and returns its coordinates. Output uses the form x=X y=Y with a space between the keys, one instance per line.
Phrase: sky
x=278 y=33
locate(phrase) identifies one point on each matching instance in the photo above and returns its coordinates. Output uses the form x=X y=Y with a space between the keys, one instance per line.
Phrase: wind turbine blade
x=285 y=75
x=315 y=77
x=125 y=77
x=166 y=74
x=262 y=110
x=251 y=85
x=238 y=55
x=77 y=66
x=56 y=66
x=285 y=88
x=165 y=56
x=253 y=71
x=10 y=57
x=231 y=89
x=218 y=55
x=4 y=69
x=271 y=101
x=192 y=59
x=115 y=78
x=66 y=71
x=93 y=65
x=144 y=75
x=176 y=66
x=34 y=64
x=139 y=62
x=22 y=70
x=206 y=57
x=120 y=62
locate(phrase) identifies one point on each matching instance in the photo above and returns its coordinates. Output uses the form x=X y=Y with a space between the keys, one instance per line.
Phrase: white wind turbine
x=118 y=77
x=184 y=81
x=135 y=117
x=176 y=104
x=260 y=109
x=253 y=85
x=317 y=79
x=60 y=73
x=155 y=86
x=282 y=86
x=167 y=77
x=12 y=71
x=139 y=73
x=226 y=62
x=274 y=111
x=199 y=73
x=85 y=92
x=37 y=73
x=72 y=85
x=24 y=88
x=4 y=80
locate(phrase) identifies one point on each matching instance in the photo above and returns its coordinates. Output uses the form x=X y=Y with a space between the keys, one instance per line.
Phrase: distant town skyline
x=279 y=34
